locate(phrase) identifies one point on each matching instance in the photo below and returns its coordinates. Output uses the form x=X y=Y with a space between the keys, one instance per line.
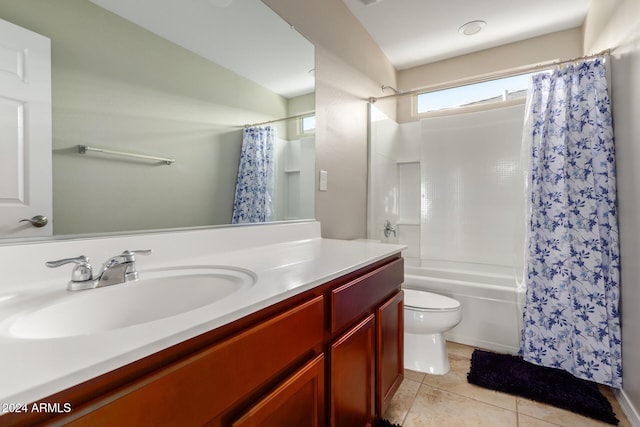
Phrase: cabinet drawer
x=298 y=401
x=351 y=300
x=202 y=386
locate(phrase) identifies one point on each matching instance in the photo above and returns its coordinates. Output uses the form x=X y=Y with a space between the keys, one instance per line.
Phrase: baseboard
x=482 y=344
x=627 y=408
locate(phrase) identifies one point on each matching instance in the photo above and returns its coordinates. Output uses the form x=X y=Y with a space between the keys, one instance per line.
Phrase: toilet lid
x=422 y=300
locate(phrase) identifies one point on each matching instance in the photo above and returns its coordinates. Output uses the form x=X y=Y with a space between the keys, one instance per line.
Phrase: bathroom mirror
x=176 y=79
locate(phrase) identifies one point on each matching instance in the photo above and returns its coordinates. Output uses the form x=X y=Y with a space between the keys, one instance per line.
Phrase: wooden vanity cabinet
x=366 y=355
x=331 y=356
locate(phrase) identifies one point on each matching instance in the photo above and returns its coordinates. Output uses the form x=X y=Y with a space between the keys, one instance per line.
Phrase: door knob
x=37 y=221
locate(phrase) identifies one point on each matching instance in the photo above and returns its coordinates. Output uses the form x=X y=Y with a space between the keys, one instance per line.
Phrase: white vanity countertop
x=35 y=368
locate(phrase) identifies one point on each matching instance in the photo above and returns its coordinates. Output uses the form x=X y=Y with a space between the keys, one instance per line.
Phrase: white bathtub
x=491 y=317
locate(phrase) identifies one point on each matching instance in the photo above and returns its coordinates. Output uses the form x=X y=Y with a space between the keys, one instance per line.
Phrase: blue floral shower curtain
x=256 y=176
x=571 y=318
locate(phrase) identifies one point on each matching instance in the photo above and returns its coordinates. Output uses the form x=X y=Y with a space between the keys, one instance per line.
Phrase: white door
x=25 y=132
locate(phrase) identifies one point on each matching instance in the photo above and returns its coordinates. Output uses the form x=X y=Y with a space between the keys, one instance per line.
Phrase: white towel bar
x=82 y=149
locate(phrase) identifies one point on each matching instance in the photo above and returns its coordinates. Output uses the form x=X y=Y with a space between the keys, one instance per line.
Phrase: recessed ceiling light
x=471 y=28
x=368 y=2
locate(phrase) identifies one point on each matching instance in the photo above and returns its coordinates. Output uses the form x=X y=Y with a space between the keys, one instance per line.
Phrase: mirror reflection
x=176 y=80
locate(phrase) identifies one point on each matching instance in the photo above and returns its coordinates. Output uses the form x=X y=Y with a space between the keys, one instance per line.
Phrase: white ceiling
x=416 y=32
x=248 y=38
x=244 y=36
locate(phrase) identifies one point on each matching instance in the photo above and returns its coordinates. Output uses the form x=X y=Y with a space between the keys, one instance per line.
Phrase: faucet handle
x=81 y=272
x=129 y=256
x=388 y=228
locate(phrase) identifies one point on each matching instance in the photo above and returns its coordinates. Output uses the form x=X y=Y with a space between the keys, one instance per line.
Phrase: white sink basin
x=158 y=294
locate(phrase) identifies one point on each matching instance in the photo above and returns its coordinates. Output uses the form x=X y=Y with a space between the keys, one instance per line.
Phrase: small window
x=493 y=91
x=308 y=124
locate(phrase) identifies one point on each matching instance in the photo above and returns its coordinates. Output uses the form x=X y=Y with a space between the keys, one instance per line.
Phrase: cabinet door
x=351 y=376
x=389 y=350
x=202 y=387
x=297 y=402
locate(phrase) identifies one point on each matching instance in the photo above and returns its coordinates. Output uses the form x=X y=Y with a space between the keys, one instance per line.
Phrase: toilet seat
x=427 y=301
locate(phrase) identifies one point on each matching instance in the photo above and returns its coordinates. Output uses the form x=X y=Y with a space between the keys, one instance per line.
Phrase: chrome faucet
x=388 y=229
x=118 y=269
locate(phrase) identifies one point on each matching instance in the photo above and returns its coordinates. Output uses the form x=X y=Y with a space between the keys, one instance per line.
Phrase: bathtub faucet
x=388 y=229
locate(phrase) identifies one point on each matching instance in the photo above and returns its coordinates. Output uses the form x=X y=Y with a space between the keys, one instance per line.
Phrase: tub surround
x=287 y=260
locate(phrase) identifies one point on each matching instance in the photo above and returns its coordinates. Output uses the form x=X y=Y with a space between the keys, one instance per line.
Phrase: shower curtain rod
x=297 y=116
x=490 y=76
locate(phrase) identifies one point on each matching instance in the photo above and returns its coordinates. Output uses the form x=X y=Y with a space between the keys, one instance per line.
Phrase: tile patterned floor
x=450 y=401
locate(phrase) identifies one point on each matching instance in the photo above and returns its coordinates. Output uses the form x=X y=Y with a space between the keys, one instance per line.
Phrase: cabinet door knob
x=37 y=221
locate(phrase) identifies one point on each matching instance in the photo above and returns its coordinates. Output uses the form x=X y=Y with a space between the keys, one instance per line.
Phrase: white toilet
x=427 y=316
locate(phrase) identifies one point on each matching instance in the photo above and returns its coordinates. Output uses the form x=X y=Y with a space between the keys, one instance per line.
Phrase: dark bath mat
x=381 y=422
x=513 y=375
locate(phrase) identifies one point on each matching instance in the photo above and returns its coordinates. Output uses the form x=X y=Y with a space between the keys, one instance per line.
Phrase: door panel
x=25 y=131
